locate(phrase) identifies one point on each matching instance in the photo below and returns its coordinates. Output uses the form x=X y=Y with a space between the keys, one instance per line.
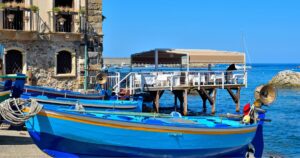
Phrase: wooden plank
x=193 y=87
x=185 y=105
x=213 y=107
x=157 y=101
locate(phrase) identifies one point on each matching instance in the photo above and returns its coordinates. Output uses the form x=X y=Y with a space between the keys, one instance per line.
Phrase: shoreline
x=17 y=143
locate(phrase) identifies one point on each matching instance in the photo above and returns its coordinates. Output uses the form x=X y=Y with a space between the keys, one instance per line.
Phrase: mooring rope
x=11 y=110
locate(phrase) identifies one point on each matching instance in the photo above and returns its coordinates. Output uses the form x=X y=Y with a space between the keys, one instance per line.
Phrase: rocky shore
x=286 y=79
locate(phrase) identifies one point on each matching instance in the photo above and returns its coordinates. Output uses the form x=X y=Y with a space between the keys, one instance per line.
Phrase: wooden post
x=235 y=97
x=213 y=106
x=155 y=95
x=211 y=96
x=157 y=102
x=175 y=102
x=185 y=102
x=204 y=99
x=179 y=95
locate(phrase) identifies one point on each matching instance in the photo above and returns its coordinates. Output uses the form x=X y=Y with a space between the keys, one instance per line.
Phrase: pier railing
x=148 y=81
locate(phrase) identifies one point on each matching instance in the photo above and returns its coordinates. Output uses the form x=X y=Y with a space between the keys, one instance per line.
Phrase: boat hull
x=61 y=135
x=56 y=93
x=4 y=95
x=60 y=147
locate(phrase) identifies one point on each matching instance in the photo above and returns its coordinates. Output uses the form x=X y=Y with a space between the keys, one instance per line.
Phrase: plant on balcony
x=68 y=9
x=8 y=5
x=82 y=10
x=21 y=5
x=14 y=4
x=34 y=8
x=2 y=6
x=56 y=10
x=62 y=9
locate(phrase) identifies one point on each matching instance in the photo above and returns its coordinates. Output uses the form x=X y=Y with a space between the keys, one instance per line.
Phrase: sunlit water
x=282 y=135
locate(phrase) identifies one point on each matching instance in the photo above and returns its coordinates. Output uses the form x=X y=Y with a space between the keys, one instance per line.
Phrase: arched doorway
x=13 y=62
x=64 y=62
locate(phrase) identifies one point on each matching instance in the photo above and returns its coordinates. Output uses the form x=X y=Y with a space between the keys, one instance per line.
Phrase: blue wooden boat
x=64 y=132
x=89 y=104
x=10 y=88
x=52 y=92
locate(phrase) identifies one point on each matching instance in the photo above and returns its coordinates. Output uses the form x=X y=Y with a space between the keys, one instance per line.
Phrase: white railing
x=170 y=80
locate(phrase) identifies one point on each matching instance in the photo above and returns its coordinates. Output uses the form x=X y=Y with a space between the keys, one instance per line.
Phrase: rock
x=286 y=79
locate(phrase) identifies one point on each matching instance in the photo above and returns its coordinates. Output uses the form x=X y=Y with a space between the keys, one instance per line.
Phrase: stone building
x=47 y=38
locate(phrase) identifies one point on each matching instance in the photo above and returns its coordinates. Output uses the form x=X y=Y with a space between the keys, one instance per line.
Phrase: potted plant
x=34 y=8
x=14 y=4
x=82 y=11
x=8 y=4
x=2 y=6
x=56 y=10
x=68 y=9
x=63 y=9
x=21 y=5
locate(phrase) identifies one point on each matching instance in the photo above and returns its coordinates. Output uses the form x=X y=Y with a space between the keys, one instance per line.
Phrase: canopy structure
x=187 y=56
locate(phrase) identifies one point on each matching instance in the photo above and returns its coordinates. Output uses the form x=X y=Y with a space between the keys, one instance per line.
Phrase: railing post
x=186 y=78
x=246 y=79
x=171 y=83
x=199 y=81
x=130 y=84
x=118 y=81
x=223 y=78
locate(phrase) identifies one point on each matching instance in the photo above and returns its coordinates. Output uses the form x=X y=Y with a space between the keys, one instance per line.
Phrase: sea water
x=282 y=134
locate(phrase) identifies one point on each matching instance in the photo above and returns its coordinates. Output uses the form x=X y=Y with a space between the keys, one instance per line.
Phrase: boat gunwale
x=60 y=102
x=140 y=126
x=61 y=93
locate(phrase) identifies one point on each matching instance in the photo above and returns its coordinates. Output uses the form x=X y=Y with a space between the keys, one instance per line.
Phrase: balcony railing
x=145 y=81
x=64 y=23
x=13 y=18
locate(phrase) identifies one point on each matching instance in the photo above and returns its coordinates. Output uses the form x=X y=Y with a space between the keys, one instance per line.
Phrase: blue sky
x=271 y=27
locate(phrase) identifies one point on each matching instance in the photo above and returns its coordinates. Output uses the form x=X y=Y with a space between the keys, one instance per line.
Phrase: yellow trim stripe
x=3 y=93
x=148 y=129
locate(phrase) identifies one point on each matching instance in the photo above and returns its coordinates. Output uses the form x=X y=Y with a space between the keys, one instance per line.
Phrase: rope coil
x=11 y=110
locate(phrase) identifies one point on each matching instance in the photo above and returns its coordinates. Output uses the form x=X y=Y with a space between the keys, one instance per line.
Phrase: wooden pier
x=205 y=82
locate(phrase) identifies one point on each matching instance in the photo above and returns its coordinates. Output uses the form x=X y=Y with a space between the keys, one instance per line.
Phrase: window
x=64 y=62
x=64 y=3
x=13 y=62
x=63 y=23
x=13 y=16
x=64 y=20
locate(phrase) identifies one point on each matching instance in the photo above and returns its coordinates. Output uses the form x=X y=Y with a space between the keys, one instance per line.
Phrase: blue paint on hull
x=60 y=147
x=59 y=138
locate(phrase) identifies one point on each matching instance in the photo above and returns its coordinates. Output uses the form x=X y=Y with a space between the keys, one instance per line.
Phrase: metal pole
x=85 y=47
x=156 y=59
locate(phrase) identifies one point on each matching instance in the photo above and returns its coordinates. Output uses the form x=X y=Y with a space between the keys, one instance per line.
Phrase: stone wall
x=40 y=59
x=95 y=14
x=95 y=19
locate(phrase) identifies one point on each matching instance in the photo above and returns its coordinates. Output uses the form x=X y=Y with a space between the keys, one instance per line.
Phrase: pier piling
x=235 y=96
x=210 y=95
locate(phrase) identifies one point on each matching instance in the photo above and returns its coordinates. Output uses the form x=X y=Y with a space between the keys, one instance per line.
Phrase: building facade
x=47 y=38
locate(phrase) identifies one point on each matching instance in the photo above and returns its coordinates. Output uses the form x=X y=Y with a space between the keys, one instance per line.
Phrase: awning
x=179 y=56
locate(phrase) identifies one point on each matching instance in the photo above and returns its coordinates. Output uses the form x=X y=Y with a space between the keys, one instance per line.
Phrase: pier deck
x=180 y=83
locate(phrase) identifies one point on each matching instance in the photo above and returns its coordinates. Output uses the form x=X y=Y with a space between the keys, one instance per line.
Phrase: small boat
x=121 y=105
x=52 y=92
x=63 y=132
x=10 y=88
x=240 y=67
